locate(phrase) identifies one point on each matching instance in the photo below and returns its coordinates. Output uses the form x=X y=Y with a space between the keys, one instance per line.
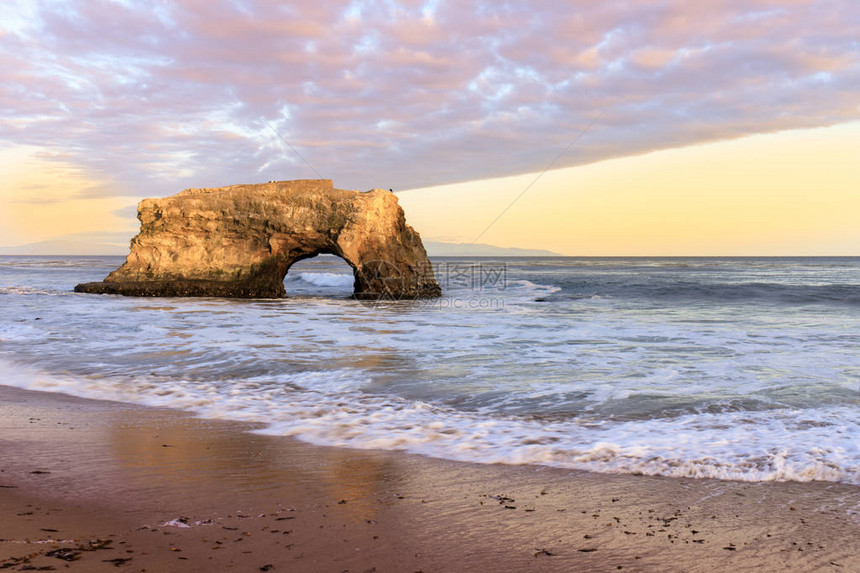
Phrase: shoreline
x=111 y=485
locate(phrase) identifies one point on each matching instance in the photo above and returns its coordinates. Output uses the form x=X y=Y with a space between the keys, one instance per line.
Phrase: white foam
x=328 y=408
x=328 y=279
x=534 y=287
x=25 y=291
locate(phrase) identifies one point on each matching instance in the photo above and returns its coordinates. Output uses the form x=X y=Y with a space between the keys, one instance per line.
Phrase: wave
x=23 y=290
x=327 y=279
x=843 y=294
x=334 y=408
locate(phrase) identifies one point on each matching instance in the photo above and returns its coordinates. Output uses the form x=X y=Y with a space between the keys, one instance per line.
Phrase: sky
x=664 y=127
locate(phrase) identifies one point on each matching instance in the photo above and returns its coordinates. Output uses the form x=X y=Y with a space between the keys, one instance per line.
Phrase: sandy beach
x=95 y=486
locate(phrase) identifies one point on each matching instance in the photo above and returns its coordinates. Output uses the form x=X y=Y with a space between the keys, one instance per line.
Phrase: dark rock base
x=204 y=288
x=183 y=288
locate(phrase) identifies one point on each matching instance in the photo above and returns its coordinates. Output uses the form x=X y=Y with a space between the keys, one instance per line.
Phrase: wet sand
x=100 y=486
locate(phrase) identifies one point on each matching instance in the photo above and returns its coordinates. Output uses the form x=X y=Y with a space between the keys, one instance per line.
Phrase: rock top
x=241 y=240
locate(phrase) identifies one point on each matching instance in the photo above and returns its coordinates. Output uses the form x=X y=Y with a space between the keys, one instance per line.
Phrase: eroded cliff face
x=240 y=241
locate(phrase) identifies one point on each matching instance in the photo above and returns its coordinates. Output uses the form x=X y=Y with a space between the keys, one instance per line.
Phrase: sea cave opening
x=324 y=275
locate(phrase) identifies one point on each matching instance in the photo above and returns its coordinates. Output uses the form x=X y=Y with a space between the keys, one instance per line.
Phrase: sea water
x=734 y=368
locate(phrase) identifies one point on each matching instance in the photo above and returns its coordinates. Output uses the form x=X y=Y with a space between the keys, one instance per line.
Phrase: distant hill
x=438 y=249
x=65 y=247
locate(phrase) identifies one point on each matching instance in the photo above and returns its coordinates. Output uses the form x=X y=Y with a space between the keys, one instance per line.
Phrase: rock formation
x=240 y=241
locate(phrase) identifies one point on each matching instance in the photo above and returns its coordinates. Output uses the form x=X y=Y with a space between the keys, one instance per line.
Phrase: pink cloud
x=653 y=59
x=467 y=89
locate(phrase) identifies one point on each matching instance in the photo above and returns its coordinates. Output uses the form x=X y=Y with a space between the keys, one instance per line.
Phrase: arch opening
x=320 y=275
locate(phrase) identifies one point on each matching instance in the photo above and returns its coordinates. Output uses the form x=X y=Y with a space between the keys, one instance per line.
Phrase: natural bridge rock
x=240 y=241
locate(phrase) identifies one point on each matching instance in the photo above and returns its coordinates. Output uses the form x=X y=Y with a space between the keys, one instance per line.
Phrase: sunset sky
x=720 y=127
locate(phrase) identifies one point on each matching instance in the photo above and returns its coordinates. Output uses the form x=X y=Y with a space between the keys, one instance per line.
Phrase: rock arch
x=240 y=241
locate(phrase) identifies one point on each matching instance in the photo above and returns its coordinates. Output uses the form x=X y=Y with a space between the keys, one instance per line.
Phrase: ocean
x=732 y=368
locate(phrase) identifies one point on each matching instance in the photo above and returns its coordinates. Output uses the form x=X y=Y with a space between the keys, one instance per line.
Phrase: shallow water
x=734 y=368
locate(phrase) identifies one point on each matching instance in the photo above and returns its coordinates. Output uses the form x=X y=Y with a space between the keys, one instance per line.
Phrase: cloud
x=157 y=96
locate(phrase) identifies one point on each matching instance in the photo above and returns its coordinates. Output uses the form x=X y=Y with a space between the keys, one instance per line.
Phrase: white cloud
x=407 y=94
